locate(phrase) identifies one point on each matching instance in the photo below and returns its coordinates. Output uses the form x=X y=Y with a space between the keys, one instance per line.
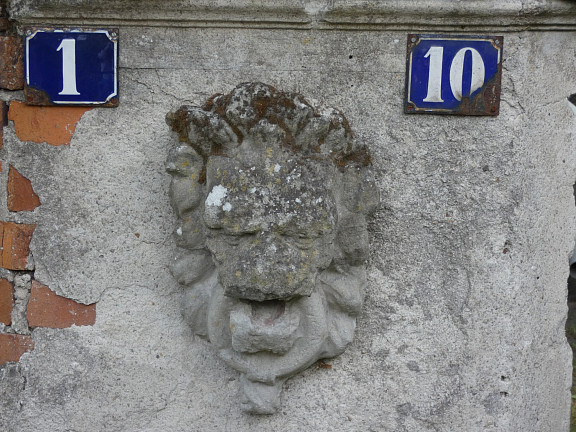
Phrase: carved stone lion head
x=272 y=195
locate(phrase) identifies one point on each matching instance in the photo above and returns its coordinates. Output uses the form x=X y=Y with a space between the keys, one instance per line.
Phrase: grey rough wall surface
x=463 y=322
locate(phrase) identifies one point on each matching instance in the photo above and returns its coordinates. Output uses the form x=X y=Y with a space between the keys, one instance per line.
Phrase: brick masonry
x=21 y=195
x=52 y=125
x=55 y=126
x=40 y=305
x=15 y=240
x=12 y=64
x=6 y=301
x=47 y=309
x=12 y=346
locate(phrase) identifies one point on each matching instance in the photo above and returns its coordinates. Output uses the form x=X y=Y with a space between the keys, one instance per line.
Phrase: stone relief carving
x=272 y=196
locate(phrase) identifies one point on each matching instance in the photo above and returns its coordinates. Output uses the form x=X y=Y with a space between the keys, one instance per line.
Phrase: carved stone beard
x=268 y=342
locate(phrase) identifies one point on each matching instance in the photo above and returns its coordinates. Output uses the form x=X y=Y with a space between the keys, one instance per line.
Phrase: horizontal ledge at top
x=346 y=14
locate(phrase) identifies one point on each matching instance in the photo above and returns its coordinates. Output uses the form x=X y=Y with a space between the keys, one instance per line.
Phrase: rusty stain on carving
x=269 y=107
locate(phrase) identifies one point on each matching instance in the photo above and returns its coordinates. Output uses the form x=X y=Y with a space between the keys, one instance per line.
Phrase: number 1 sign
x=453 y=74
x=71 y=67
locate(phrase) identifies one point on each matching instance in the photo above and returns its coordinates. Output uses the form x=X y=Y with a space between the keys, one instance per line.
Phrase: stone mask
x=272 y=195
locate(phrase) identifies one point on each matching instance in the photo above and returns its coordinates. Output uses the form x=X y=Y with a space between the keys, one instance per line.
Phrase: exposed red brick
x=12 y=346
x=11 y=62
x=6 y=301
x=21 y=196
x=52 y=125
x=47 y=309
x=15 y=241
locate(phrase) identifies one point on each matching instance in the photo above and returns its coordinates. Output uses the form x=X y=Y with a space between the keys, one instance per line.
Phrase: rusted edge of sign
x=34 y=96
x=485 y=103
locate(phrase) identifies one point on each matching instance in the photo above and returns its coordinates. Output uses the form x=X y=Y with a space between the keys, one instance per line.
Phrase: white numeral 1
x=68 y=48
x=436 y=55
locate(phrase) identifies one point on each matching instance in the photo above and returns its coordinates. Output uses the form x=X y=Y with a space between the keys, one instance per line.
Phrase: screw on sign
x=71 y=67
x=448 y=74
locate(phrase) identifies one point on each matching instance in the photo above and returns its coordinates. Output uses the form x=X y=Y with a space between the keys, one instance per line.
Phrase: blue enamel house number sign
x=453 y=74
x=71 y=67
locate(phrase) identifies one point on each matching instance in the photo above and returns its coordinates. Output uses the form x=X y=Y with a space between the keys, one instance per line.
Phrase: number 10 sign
x=449 y=74
x=71 y=67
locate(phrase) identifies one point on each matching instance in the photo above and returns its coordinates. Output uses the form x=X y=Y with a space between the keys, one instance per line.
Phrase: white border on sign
x=106 y=32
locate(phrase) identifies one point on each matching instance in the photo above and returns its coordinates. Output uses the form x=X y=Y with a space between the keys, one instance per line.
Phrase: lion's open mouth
x=263 y=326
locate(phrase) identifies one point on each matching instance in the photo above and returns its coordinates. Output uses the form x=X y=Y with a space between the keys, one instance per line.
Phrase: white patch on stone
x=227 y=207
x=276 y=168
x=300 y=104
x=179 y=231
x=216 y=195
x=327 y=112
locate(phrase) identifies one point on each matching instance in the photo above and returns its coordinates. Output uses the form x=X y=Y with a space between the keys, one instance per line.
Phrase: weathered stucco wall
x=463 y=323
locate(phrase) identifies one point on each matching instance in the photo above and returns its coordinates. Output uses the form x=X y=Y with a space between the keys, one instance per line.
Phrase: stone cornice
x=413 y=15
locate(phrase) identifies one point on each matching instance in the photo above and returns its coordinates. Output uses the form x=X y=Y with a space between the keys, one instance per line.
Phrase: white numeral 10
x=68 y=48
x=436 y=56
